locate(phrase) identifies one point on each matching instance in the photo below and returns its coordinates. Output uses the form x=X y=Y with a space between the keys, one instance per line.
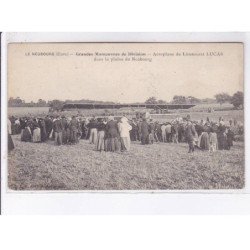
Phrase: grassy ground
x=151 y=167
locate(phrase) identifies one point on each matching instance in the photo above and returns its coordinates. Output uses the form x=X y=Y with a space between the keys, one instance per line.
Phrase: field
x=158 y=166
x=27 y=111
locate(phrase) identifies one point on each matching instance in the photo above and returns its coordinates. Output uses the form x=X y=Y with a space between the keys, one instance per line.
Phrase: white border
x=125 y=202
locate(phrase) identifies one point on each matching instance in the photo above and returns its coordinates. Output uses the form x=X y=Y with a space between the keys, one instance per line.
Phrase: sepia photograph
x=109 y=116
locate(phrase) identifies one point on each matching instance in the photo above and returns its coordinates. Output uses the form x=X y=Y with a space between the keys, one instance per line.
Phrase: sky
x=123 y=72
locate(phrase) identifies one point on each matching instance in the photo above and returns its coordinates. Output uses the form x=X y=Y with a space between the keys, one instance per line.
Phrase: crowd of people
x=110 y=134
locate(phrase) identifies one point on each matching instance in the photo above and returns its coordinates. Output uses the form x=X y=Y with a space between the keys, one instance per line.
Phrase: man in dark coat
x=230 y=138
x=92 y=126
x=112 y=135
x=74 y=128
x=134 y=131
x=48 y=125
x=144 y=132
x=181 y=132
x=222 y=137
x=158 y=134
x=190 y=133
x=65 y=138
x=57 y=127
x=83 y=128
x=42 y=126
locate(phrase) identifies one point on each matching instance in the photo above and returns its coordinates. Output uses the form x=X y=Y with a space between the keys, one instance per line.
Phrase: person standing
x=17 y=126
x=83 y=129
x=213 y=142
x=23 y=122
x=134 y=131
x=10 y=141
x=27 y=135
x=222 y=137
x=151 y=131
x=43 y=130
x=174 y=131
x=158 y=135
x=163 y=132
x=93 y=131
x=65 y=133
x=36 y=137
x=101 y=127
x=190 y=133
x=112 y=135
x=124 y=128
x=57 y=129
x=168 y=132
x=73 y=126
x=144 y=132
x=48 y=125
x=204 y=140
x=230 y=138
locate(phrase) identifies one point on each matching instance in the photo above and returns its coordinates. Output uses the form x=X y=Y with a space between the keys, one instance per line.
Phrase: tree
x=191 y=99
x=179 y=99
x=151 y=100
x=56 y=104
x=238 y=99
x=161 y=102
x=222 y=98
x=15 y=102
x=41 y=103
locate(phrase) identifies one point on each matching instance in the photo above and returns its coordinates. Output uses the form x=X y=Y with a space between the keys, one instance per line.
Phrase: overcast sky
x=77 y=76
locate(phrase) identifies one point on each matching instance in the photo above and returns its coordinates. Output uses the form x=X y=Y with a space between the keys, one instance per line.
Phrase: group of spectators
x=109 y=134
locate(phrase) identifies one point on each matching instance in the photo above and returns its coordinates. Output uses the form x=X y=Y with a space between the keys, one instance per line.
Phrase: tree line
x=55 y=104
x=18 y=102
x=236 y=99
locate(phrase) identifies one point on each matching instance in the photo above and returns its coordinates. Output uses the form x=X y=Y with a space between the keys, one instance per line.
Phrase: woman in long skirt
x=112 y=142
x=26 y=136
x=204 y=143
x=204 y=140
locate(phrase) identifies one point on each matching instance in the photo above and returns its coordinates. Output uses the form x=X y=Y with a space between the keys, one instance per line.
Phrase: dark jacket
x=73 y=125
x=64 y=124
x=57 y=126
x=48 y=124
x=145 y=128
x=101 y=126
x=190 y=132
x=92 y=124
x=112 y=129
